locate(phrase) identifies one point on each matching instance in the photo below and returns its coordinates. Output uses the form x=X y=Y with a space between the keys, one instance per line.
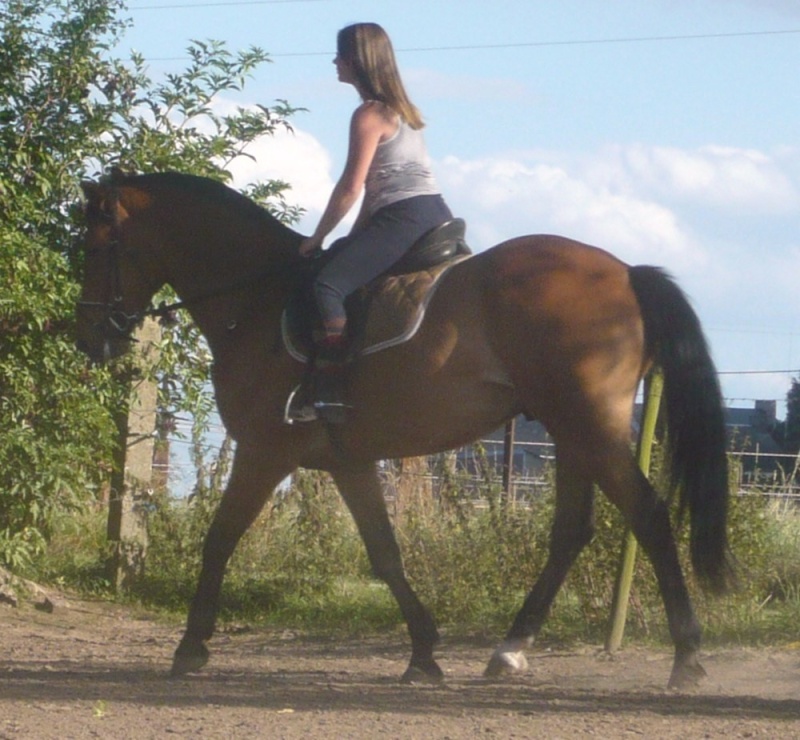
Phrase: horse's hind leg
x=363 y=493
x=252 y=480
x=648 y=516
x=573 y=527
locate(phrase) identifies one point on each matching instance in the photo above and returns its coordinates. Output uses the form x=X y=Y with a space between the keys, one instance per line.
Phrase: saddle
x=389 y=310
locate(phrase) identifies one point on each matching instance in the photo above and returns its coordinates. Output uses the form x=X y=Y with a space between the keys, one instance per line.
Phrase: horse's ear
x=92 y=197
x=116 y=174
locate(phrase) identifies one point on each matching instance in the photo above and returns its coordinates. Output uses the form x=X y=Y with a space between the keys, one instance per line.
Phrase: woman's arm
x=367 y=126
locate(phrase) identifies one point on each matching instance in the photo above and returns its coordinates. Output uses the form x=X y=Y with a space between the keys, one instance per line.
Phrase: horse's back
x=567 y=323
x=552 y=268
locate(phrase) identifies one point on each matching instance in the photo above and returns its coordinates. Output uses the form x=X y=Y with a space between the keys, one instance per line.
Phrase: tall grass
x=471 y=553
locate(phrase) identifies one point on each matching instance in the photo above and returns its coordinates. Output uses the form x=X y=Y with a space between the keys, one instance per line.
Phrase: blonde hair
x=366 y=47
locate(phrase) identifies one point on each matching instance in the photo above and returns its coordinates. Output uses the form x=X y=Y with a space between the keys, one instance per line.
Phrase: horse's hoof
x=686 y=675
x=430 y=673
x=506 y=663
x=188 y=661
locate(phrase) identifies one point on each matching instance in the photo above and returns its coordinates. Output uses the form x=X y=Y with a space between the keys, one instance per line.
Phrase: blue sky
x=663 y=131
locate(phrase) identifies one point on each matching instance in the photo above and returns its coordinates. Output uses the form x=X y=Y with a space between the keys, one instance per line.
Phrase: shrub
x=471 y=553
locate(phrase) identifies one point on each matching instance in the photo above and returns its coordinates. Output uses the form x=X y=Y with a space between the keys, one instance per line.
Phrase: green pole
x=622 y=587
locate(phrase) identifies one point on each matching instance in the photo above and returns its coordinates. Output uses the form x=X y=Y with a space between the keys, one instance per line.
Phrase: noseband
x=116 y=324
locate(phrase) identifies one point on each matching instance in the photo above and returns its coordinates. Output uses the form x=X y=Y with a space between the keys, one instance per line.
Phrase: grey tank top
x=400 y=169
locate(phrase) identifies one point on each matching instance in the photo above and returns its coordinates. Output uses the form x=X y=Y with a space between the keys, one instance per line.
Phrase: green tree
x=69 y=110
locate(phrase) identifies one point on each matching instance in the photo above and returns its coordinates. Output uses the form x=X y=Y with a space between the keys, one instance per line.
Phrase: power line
x=589 y=42
x=221 y=4
x=748 y=330
x=478 y=47
x=758 y=372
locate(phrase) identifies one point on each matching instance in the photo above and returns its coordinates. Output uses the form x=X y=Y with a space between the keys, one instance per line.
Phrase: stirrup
x=332 y=412
x=298 y=413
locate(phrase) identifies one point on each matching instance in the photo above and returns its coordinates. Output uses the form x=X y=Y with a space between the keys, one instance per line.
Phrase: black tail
x=695 y=419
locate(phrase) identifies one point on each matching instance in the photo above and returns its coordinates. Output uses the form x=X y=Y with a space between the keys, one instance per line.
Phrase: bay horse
x=540 y=325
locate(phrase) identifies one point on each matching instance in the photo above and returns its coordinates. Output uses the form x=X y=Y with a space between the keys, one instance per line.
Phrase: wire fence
x=776 y=476
x=758 y=472
x=486 y=464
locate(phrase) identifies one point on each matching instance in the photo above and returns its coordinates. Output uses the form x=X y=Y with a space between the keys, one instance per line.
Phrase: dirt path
x=90 y=670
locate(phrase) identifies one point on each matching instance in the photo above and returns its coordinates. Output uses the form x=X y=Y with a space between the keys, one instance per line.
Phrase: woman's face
x=344 y=70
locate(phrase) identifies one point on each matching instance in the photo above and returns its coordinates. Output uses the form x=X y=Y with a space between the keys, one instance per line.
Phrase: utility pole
x=132 y=479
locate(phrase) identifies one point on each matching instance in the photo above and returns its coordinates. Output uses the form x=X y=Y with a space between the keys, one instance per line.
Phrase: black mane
x=202 y=187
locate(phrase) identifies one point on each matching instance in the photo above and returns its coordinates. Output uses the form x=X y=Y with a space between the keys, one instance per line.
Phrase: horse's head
x=203 y=238
x=118 y=282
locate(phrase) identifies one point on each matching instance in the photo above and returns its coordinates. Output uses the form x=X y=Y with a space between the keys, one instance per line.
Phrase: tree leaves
x=68 y=111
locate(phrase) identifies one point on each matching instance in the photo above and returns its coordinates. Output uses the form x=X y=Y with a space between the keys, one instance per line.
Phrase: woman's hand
x=309 y=246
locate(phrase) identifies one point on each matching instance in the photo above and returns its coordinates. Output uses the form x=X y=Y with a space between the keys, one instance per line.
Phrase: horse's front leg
x=252 y=480
x=363 y=493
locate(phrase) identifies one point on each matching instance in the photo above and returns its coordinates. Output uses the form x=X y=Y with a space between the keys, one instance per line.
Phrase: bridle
x=119 y=325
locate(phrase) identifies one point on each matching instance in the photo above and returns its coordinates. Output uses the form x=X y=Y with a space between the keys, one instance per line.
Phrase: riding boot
x=321 y=393
x=328 y=375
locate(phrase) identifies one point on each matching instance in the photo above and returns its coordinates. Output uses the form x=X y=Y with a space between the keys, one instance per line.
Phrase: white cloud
x=504 y=197
x=678 y=208
x=293 y=156
x=723 y=221
x=296 y=158
x=720 y=177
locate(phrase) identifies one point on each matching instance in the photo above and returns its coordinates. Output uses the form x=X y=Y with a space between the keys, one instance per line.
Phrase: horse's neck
x=232 y=273
x=223 y=250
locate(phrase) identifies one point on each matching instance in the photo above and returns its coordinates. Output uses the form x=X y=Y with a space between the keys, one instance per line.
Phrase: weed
x=471 y=552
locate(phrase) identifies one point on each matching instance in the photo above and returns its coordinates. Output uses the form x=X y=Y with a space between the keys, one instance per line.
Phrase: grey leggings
x=383 y=240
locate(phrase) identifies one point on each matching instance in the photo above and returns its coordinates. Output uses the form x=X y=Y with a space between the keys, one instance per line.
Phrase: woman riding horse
x=388 y=162
x=541 y=325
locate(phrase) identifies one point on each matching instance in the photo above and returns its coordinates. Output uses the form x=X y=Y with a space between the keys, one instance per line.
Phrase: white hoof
x=506 y=660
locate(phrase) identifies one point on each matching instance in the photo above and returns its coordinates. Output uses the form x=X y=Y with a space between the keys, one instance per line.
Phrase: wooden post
x=508 y=457
x=132 y=479
x=622 y=587
x=413 y=487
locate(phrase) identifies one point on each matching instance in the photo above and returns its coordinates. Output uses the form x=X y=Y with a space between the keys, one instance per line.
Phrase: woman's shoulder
x=374 y=113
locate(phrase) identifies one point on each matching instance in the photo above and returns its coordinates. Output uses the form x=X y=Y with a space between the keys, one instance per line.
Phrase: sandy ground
x=93 y=670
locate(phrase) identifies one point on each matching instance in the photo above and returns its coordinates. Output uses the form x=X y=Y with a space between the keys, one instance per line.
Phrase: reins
x=120 y=324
